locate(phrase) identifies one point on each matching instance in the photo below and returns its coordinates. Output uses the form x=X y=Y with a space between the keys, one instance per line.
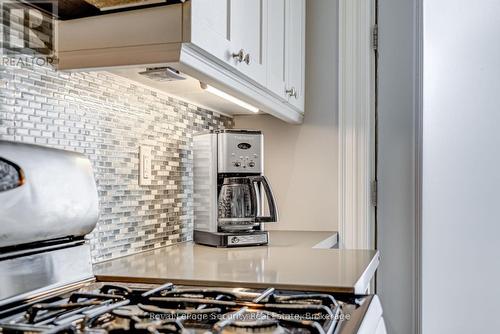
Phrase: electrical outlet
x=145 y=166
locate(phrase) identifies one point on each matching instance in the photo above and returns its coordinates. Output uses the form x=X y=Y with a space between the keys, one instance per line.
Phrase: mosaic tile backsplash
x=107 y=118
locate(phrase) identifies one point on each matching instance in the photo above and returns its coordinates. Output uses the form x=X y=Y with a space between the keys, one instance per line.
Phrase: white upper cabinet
x=286 y=50
x=276 y=53
x=262 y=39
x=295 y=52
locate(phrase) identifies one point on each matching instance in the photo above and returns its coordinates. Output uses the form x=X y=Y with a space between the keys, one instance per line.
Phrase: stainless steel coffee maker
x=231 y=194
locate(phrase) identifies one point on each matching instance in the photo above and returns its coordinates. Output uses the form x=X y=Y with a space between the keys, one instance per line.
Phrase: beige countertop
x=292 y=260
x=303 y=239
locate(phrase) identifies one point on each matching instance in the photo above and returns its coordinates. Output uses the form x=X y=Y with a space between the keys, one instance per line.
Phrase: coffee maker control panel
x=240 y=152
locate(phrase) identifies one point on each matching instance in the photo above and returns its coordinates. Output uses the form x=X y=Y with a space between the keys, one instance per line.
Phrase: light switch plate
x=145 y=165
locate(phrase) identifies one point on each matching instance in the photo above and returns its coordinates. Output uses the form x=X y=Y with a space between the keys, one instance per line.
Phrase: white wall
x=301 y=161
x=396 y=161
x=461 y=167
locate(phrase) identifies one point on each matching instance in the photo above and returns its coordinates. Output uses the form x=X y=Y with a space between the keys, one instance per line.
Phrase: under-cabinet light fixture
x=228 y=97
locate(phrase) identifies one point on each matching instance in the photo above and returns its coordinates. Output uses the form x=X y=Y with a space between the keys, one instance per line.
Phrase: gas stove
x=143 y=308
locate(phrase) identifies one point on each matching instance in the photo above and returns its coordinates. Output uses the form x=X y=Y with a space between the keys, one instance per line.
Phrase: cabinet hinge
x=375 y=37
x=374 y=193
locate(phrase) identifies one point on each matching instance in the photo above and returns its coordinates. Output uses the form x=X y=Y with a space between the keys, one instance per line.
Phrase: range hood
x=76 y=9
x=130 y=43
x=110 y=5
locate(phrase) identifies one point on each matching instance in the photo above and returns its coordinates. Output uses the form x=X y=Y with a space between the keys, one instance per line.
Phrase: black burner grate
x=118 y=308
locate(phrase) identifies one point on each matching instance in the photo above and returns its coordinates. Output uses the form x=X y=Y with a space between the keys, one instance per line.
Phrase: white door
x=247 y=32
x=460 y=166
x=295 y=51
x=275 y=56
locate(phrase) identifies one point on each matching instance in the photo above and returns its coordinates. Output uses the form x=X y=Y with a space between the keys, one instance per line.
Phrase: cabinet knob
x=240 y=56
x=292 y=92
x=247 y=59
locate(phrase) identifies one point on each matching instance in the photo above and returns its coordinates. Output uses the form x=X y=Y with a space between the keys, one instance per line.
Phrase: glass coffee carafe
x=239 y=204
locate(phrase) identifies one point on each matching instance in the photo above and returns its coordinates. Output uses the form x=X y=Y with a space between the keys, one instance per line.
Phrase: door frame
x=399 y=155
x=357 y=124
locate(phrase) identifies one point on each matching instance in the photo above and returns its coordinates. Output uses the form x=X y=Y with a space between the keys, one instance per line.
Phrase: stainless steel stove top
x=141 y=308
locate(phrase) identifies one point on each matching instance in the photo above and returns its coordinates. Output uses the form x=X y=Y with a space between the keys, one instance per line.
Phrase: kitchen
x=223 y=165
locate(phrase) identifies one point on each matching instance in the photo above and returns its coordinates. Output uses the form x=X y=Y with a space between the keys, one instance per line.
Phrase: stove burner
x=249 y=321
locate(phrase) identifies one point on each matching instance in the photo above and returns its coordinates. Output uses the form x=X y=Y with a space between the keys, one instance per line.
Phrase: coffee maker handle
x=273 y=211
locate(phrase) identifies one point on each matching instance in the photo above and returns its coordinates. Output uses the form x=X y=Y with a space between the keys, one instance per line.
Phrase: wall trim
x=356 y=123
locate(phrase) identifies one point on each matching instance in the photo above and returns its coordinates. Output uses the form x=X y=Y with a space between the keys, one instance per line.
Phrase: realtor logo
x=27 y=28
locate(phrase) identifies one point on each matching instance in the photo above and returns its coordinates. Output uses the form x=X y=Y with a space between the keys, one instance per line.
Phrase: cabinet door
x=224 y=27
x=247 y=27
x=295 y=52
x=210 y=29
x=275 y=55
